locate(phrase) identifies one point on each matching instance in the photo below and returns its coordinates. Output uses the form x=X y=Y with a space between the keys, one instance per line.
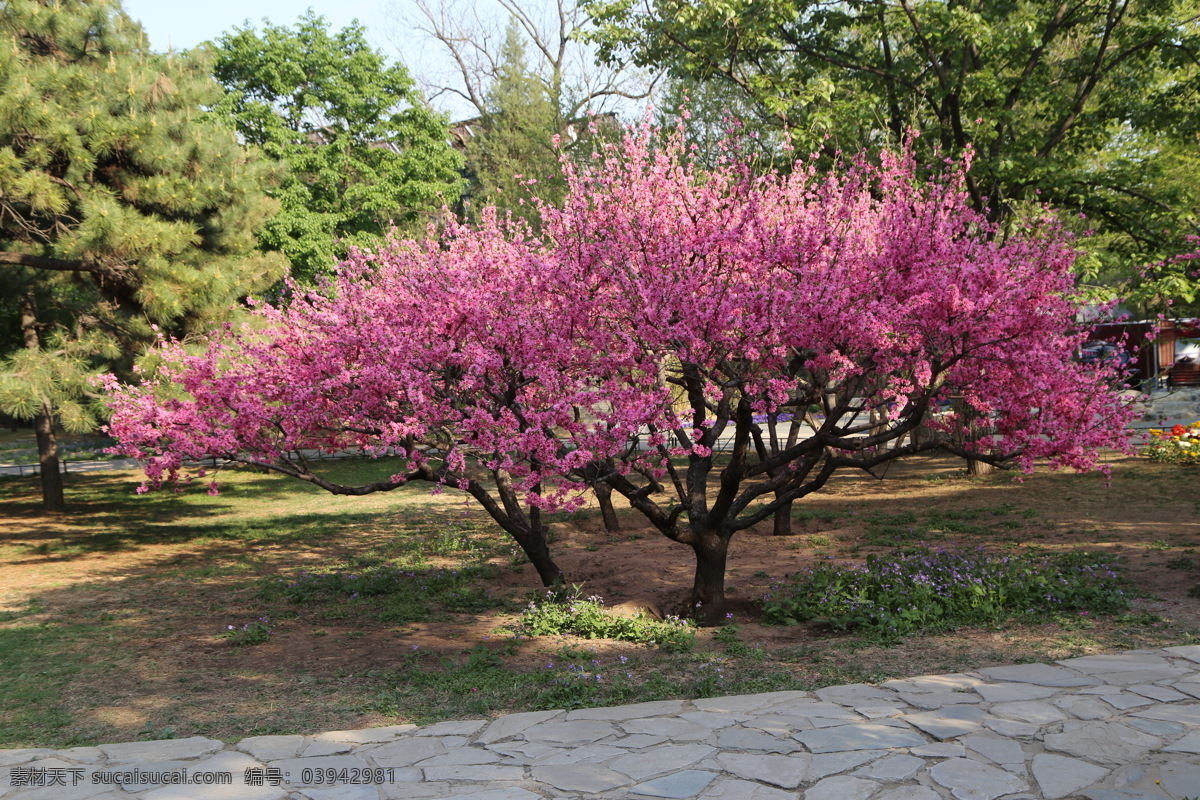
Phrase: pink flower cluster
x=659 y=306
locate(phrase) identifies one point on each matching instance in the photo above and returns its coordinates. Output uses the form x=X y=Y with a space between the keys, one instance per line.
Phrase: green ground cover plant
x=568 y=612
x=920 y=588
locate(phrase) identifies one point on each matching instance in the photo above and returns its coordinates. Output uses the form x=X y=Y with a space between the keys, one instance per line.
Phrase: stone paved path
x=1110 y=727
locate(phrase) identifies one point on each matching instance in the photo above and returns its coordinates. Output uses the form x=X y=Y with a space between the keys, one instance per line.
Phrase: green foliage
x=256 y=632
x=1090 y=107
x=123 y=204
x=570 y=613
x=511 y=156
x=921 y=589
x=363 y=151
x=386 y=593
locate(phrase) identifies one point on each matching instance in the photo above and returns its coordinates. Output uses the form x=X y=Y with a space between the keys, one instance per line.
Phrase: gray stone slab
x=1188 y=744
x=665 y=758
x=1121 y=794
x=294 y=766
x=913 y=792
x=1017 y=730
x=835 y=763
x=1187 y=714
x=973 y=780
x=948 y=722
x=1155 y=727
x=744 y=703
x=1084 y=707
x=940 y=750
x=23 y=755
x=358 y=791
x=1102 y=742
x=1009 y=692
x=476 y=772
x=461 y=756
x=880 y=712
x=745 y=739
x=1123 y=701
x=315 y=748
x=1031 y=711
x=1125 y=662
x=687 y=783
x=637 y=741
x=658 y=708
x=737 y=789
x=1162 y=694
x=231 y=762
x=1189 y=651
x=892 y=768
x=957 y=681
x=932 y=700
x=506 y=793
x=164 y=750
x=842 y=787
x=366 y=735
x=1039 y=674
x=571 y=733
x=677 y=730
x=594 y=753
x=590 y=778
x=1000 y=750
x=270 y=748
x=855 y=694
x=1058 y=776
x=455 y=727
x=82 y=755
x=787 y=772
x=1188 y=687
x=714 y=720
x=859 y=736
x=811 y=709
x=404 y=752
x=512 y=724
x=1181 y=778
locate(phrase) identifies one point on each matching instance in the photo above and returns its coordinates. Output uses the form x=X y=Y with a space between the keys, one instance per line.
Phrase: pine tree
x=124 y=205
x=514 y=144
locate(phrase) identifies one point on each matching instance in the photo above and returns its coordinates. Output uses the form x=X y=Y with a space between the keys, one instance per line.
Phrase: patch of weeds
x=918 y=588
x=727 y=637
x=256 y=632
x=819 y=540
x=1182 y=562
x=387 y=593
x=568 y=612
x=1158 y=544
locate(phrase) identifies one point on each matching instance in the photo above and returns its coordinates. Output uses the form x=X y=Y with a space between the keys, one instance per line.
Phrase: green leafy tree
x=1089 y=106
x=364 y=152
x=511 y=153
x=123 y=204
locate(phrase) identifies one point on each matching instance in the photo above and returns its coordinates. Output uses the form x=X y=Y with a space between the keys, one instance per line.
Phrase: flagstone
x=1030 y=711
x=1102 y=742
x=971 y=780
x=642 y=765
x=1058 y=776
x=161 y=750
x=1188 y=744
x=679 y=785
x=1040 y=674
x=745 y=739
x=833 y=763
x=1008 y=692
x=512 y=724
x=737 y=789
x=860 y=736
x=579 y=777
x=948 y=722
x=617 y=713
x=787 y=772
x=571 y=733
x=678 y=730
x=842 y=787
x=892 y=768
x=270 y=748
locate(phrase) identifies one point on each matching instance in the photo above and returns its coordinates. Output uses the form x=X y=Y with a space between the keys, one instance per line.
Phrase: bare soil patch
x=139 y=619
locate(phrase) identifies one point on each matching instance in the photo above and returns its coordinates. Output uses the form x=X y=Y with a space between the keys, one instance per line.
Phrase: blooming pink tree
x=711 y=344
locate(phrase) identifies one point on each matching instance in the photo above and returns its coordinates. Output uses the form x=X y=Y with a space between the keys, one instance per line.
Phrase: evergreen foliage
x=123 y=204
x=363 y=151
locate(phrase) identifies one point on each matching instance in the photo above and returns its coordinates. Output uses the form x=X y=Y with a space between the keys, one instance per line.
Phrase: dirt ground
x=174 y=665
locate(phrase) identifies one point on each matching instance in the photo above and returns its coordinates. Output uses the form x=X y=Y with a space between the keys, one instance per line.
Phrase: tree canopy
x=802 y=322
x=123 y=204
x=362 y=149
x=1090 y=107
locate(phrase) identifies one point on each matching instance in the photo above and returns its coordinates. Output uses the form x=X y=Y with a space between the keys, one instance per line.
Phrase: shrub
x=569 y=613
x=918 y=588
x=1179 y=445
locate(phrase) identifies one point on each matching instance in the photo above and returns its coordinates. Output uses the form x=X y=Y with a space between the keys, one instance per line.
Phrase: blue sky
x=184 y=25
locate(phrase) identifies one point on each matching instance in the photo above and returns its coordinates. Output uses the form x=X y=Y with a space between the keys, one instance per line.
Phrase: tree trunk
x=604 y=495
x=52 y=482
x=708 y=590
x=979 y=468
x=534 y=544
x=783 y=520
